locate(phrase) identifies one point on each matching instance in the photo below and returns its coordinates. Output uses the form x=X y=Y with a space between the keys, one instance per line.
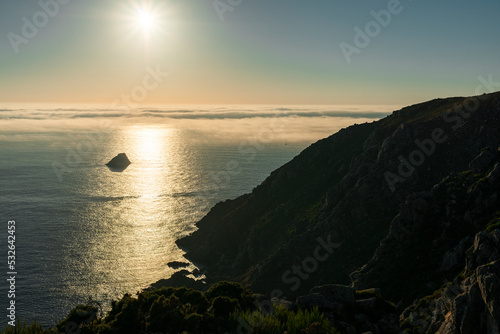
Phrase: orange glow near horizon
x=95 y=51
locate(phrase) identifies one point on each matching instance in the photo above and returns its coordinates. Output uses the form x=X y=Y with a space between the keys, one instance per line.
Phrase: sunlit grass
x=23 y=328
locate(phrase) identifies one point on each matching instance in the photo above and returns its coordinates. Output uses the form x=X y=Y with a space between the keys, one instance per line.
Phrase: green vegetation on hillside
x=223 y=308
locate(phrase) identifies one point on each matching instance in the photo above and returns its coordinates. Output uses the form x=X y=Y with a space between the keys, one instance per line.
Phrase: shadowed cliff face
x=323 y=215
x=428 y=239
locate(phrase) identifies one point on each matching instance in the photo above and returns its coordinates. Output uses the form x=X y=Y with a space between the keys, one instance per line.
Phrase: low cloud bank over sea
x=299 y=123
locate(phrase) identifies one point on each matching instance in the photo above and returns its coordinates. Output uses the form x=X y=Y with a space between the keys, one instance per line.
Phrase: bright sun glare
x=145 y=19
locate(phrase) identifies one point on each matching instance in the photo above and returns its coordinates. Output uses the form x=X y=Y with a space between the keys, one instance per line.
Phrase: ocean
x=84 y=231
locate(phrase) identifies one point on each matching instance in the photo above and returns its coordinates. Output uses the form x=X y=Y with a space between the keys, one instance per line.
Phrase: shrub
x=242 y=294
x=223 y=306
x=124 y=316
x=284 y=320
x=77 y=317
x=165 y=314
x=22 y=328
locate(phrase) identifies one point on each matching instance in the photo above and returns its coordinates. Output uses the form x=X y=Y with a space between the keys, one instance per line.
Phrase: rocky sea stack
x=120 y=161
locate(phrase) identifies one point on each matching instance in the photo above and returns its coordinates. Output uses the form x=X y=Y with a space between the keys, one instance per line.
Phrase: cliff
x=393 y=204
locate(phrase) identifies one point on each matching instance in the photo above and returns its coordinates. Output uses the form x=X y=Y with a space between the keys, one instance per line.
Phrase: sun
x=145 y=19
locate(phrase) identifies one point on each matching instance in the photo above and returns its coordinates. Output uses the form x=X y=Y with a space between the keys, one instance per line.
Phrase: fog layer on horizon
x=285 y=124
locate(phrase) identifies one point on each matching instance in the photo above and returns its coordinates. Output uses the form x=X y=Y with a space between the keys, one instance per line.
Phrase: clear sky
x=245 y=51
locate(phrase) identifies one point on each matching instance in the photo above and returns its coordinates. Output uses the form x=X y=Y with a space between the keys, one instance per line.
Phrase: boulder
x=486 y=248
x=120 y=161
x=336 y=293
x=312 y=300
x=489 y=285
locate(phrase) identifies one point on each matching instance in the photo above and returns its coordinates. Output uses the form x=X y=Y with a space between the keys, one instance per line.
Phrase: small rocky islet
x=119 y=161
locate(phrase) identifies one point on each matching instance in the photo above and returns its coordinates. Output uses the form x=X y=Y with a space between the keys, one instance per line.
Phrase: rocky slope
x=393 y=204
x=433 y=230
x=468 y=304
x=433 y=249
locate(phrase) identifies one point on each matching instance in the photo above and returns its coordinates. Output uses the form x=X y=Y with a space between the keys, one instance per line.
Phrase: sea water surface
x=84 y=231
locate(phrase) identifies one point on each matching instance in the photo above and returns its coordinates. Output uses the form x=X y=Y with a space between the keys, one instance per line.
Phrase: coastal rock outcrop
x=468 y=304
x=120 y=161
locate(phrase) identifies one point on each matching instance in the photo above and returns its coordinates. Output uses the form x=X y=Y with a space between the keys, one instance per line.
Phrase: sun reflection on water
x=128 y=230
x=121 y=234
x=152 y=148
x=154 y=152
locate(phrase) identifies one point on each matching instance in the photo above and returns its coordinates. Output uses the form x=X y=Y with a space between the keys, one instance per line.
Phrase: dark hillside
x=346 y=190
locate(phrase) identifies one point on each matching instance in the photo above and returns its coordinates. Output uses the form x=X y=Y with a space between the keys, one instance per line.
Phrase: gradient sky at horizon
x=263 y=52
